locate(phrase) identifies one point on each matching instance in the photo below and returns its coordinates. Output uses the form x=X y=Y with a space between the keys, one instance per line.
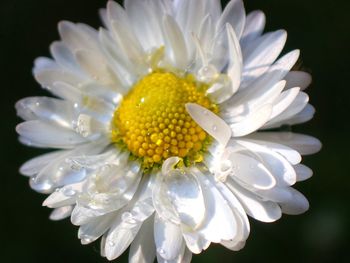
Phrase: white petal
x=283 y=101
x=303 y=172
x=189 y=15
x=250 y=172
x=291 y=155
x=58 y=172
x=254 y=26
x=220 y=223
x=261 y=53
x=142 y=249
x=64 y=196
x=305 y=115
x=252 y=122
x=95 y=65
x=81 y=215
x=57 y=111
x=144 y=23
x=297 y=205
x=234 y=14
x=206 y=32
x=49 y=135
x=243 y=227
x=280 y=168
x=129 y=221
x=168 y=238
x=111 y=187
x=175 y=196
x=61 y=213
x=64 y=57
x=294 y=108
x=118 y=240
x=76 y=36
x=226 y=90
x=274 y=74
x=169 y=165
x=35 y=165
x=248 y=100
x=298 y=79
x=195 y=242
x=91 y=231
x=304 y=144
x=176 y=45
x=264 y=211
x=210 y=122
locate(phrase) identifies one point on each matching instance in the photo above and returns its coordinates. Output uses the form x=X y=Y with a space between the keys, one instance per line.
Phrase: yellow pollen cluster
x=152 y=120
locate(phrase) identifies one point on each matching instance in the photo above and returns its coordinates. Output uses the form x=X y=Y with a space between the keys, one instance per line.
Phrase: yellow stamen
x=152 y=120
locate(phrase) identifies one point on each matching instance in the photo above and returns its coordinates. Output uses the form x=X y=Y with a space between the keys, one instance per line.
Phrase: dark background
x=319 y=28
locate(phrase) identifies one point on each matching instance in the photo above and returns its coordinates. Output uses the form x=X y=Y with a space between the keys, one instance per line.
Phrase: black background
x=319 y=28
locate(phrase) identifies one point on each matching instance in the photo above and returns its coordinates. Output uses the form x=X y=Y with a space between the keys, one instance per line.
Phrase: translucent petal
x=142 y=249
x=175 y=43
x=49 y=135
x=298 y=79
x=254 y=26
x=168 y=238
x=264 y=211
x=252 y=122
x=279 y=167
x=304 y=144
x=210 y=122
x=61 y=213
x=298 y=204
x=91 y=231
x=303 y=172
x=233 y=14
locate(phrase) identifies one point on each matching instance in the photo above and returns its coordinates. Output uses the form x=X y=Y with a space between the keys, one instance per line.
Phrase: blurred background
x=319 y=28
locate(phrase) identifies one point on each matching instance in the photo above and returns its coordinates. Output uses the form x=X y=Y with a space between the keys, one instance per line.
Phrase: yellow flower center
x=152 y=120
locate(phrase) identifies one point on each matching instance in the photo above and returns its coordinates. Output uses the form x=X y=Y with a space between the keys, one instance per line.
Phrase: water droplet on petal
x=111 y=243
x=214 y=128
x=226 y=166
x=127 y=217
x=160 y=251
x=69 y=192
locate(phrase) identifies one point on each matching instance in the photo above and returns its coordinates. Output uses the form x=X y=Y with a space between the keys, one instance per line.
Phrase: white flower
x=163 y=128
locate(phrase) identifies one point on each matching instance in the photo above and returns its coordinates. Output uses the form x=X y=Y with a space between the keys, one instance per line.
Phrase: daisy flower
x=165 y=124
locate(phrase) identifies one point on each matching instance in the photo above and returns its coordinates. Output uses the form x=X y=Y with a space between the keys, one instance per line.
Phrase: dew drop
x=86 y=239
x=226 y=166
x=111 y=243
x=69 y=192
x=127 y=217
x=160 y=251
x=214 y=128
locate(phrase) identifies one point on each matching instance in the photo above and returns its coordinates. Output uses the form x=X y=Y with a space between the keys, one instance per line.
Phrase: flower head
x=165 y=127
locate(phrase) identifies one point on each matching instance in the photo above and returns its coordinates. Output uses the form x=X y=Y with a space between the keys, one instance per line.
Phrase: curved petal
x=143 y=249
x=298 y=204
x=168 y=238
x=233 y=14
x=303 y=172
x=210 y=122
x=254 y=27
x=49 y=135
x=175 y=43
x=279 y=167
x=265 y=211
x=61 y=213
x=298 y=79
x=304 y=144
